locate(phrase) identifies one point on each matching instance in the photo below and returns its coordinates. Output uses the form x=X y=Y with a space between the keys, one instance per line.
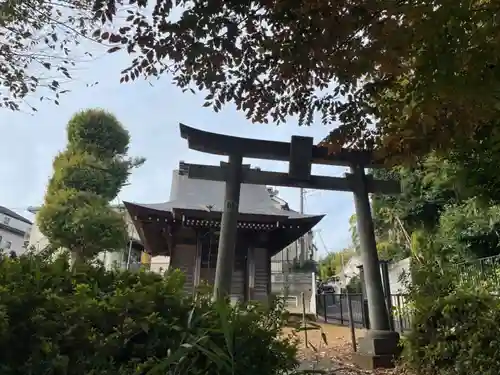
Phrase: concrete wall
x=396 y=271
x=298 y=283
x=159 y=264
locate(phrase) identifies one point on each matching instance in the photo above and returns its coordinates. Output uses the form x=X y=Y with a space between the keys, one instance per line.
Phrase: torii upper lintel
x=221 y=144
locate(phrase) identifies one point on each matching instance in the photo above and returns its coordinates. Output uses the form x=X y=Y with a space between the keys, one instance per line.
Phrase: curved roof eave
x=170 y=207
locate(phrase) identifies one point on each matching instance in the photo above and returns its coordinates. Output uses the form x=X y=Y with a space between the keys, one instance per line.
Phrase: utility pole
x=129 y=248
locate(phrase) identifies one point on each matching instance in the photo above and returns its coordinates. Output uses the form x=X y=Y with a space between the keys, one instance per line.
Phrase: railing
x=334 y=308
x=482 y=271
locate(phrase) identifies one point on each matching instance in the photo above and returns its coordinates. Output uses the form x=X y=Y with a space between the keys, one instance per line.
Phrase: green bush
x=455 y=334
x=55 y=321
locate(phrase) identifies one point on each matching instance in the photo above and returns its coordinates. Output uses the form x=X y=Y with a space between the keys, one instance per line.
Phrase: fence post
x=304 y=322
x=400 y=314
x=351 y=322
x=324 y=308
x=341 y=311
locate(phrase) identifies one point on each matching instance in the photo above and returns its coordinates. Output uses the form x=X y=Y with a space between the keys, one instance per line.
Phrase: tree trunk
x=76 y=259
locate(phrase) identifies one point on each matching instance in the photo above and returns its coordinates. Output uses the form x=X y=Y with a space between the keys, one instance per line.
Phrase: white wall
x=159 y=264
x=110 y=259
x=15 y=239
x=15 y=223
x=11 y=241
x=37 y=239
x=349 y=271
x=396 y=270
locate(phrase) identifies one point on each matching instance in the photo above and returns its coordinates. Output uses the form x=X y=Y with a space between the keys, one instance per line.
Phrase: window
x=8 y=244
x=135 y=255
x=6 y=220
x=0 y=240
x=209 y=250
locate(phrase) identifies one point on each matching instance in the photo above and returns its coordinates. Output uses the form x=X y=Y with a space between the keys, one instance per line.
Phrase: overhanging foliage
x=426 y=71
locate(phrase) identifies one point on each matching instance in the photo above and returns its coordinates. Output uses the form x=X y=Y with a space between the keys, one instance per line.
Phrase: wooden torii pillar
x=380 y=346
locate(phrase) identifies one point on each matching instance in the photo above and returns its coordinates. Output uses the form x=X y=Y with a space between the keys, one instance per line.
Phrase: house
x=14 y=231
x=131 y=257
x=187 y=227
x=397 y=272
x=349 y=271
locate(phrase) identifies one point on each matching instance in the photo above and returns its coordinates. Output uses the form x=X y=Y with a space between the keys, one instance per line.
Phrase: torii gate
x=382 y=344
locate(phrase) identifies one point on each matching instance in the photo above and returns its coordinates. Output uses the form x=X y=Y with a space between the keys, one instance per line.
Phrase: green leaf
x=114 y=49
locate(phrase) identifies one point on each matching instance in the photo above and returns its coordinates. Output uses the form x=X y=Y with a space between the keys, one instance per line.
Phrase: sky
x=151 y=111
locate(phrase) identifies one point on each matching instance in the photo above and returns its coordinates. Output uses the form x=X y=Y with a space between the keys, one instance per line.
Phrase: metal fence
x=334 y=308
x=479 y=272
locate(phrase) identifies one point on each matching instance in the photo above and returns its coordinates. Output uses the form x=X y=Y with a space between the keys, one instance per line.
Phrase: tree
x=36 y=48
x=332 y=263
x=353 y=229
x=454 y=200
x=426 y=72
x=76 y=214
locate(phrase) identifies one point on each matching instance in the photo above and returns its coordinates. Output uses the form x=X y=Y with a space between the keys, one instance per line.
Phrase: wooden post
x=304 y=320
x=351 y=322
x=229 y=226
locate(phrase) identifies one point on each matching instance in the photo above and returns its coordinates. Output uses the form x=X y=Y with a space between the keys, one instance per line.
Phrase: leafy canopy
x=332 y=263
x=455 y=199
x=39 y=48
x=426 y=71
x=90 y=173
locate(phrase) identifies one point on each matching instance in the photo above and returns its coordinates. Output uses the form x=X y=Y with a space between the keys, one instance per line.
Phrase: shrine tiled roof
x=205 y=195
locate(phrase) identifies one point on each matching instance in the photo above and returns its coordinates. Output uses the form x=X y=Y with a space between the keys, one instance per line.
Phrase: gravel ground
x=334 y=356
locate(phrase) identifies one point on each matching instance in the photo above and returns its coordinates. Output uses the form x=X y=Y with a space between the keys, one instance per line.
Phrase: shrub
x=455 y=334
x=55 y=321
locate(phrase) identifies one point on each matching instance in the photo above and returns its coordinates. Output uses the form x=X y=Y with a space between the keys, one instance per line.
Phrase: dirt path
x=335 y=355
